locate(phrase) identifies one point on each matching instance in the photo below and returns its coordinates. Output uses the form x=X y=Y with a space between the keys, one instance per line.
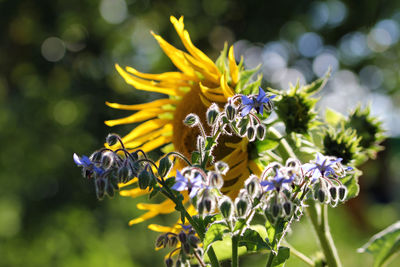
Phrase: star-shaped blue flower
x=87 y=164
x=277 y=182
x=323 y=166
x=257 y=103
x=193 y=185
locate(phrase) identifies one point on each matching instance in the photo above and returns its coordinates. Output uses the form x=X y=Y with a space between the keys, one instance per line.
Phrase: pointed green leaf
x=384 y=244
x=351 y=182
x=252 y=88
x=244 y=78
x=317 y=85
x=214 y=233
x=281 y=258
x=333 y=117
x=221 y=60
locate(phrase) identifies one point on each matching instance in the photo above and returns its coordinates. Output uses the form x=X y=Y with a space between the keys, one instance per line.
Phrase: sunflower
x=197 y=84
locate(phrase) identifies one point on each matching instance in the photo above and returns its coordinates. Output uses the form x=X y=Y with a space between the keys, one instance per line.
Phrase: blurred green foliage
x=57 y=70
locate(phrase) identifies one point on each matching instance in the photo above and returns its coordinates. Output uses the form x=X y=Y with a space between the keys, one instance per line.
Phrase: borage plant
x=237 y=177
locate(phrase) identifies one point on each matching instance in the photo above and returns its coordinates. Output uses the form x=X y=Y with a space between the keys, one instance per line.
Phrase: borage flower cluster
x=231 y=166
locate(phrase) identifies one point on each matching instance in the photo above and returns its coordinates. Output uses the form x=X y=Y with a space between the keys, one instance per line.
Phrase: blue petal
x=247 y=101
x=246 y=110
x=260 y=109
x=308 y=167
x=77 y=160
x=179 y=186
x=261 y=95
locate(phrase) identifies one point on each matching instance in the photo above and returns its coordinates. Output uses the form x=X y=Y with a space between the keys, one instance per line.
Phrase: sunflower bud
x=260 y=132
x=225 y=206
x=164 y=167
x=230 y=112
x=191 y=120
x=112 y=139
x=251 y=133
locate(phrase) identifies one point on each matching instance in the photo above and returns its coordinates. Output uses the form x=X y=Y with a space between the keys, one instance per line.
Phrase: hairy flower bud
x=215 y=179
x=191 y=120
x=251 y=133
x=275 y=209
x=169 y=262
x=321 y=195
x=287 y=208
x=212 y=114
x=123 y=174
x=100 y=185
x=172 y=241
x=333 y=191
x=193 y=240
x=225 y=206
x=342 y=192
x=182 y=237
x=107 y=160
x=164 y=167
x=230 y=112
x=260 y=132
x=109 y=189
x=252 y=185
x=144 y=178
x=96 y=156
x=221 y=167
x=241 y=207
x=161 y=241
x=186 y=247
x=112 y=139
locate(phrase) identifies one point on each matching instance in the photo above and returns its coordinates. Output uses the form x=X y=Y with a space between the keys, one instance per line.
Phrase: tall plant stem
x=319 y=220
x=235 y=257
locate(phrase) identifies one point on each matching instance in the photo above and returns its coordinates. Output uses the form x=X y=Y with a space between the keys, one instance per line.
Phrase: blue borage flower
x=323 y=167
x=87 y=165
x=257 y=103
x=277 y=181
x=192 y=185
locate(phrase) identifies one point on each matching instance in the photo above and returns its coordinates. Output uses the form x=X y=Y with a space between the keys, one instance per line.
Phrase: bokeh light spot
x=113 y=11
x=310 y=44
x=323 y=62
x=10 y=219
x=53 y=49
x=65 y=112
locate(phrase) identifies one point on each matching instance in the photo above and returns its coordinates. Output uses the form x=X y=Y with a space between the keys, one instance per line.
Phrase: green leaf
x=253 y=241
x=223 y=249
x=252 y=88
x=214 y=233
x=266 y=144
x=221 y=60
x=351 y=182
x=195 y=157
x=317 y=85
x=333 y=117
x=244 y=78
x=281 y=258
x=240 y=223
x=384 y=244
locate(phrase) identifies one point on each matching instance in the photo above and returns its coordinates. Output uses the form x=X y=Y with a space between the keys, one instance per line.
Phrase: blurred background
x=57 y=70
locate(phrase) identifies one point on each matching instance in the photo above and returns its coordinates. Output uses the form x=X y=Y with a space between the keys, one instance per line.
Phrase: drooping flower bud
x=172 y=241
x=100 y=185
x=215 y=179
x=186 y=247
x=164 y=167
x=191 y=120
x=230 y=112
x=275 y=210
x=96 y=156
x=251 y=133
x=342 y=192
x=260 y=132
x=333 y=191
x=212 y=114
x=169 y=262
x=161 y=241
x=321 y=195
x=144 y=178
x=193 y=240
x=252 y=185
x=182 y=237
x=112 y=139
x=287 y=208
x=225 y=206
x=241 y=206
x=107 y=160
x=123 y=174
x=221 y=167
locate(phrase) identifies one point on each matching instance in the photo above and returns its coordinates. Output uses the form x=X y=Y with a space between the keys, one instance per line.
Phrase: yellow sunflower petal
x=135 y=192
x=228 y=92
x=145 y=128
x=139 y=140
x=208 y=75
x=168 y=76
x=167 y=206
x=149 y=146
x=138 y=116
x=146 y=85
x=254 y=167
x=205 y=101
x=144 y=217
x=176 y=56
x=153 y=104
x=161 y=228
x=122 y=185
x=194 y=51
x=233 y=68
x=207 y=92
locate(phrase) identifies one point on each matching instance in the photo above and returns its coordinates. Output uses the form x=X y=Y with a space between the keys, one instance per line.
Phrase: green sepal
x=244 y=78
x=351 y=183
x=333 y=117
x=252 y=88
x=317 y=85
x=240 y=223
x=384 y=244
x=221 y=60
x=196 y=157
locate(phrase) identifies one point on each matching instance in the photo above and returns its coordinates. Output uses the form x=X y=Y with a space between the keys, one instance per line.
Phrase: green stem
x=235 y=257
x=284 y=149
x=199 y=228
x=274 y=248
x=319 y=219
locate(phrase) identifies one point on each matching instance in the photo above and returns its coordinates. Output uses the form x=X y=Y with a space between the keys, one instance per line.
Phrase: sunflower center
x=184 y=137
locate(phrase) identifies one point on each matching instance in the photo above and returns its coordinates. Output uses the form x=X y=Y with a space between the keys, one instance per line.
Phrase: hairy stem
x=319 y=220
x=299 y=255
